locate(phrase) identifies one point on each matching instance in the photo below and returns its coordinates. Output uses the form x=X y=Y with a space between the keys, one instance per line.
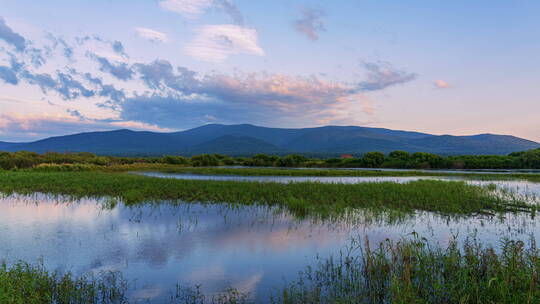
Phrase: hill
x=249 y=139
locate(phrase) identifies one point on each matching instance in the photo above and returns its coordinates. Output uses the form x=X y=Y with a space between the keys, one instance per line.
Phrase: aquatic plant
x=302 y=199
x=415 y=271
x=23 y=283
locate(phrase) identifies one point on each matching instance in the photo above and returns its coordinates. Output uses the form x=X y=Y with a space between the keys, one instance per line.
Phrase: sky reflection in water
x=254 y=249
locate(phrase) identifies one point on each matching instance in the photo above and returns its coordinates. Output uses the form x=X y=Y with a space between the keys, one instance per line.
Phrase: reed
x=23 y=283
x=414 y=271
x=302 y=199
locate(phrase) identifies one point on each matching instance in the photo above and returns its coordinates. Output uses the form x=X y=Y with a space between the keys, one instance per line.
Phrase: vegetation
x=416 y=272
x=397 y=159
x=408 y=271
x=446 y=197
x=23 y=283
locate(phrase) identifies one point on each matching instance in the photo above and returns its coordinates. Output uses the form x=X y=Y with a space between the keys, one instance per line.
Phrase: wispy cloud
x=162 y=95
x=441 y=84
x=189 y=8
x=11 y=37
x=381 y=75
x=8 y=76
x=17 y=127
x=121 y=71
x=310 y=23
x=215 y=43
x=152 y=35
x=194 y=8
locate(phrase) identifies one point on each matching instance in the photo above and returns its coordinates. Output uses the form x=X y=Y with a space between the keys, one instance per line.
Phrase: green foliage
x=320 y=200
x=373 y=159
x=28 y=284
x=292 y=160
x=205 y=160
x=414 y=271
x=397 y=159
x=175 y=160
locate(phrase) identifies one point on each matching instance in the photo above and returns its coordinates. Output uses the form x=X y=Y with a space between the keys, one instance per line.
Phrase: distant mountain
x=235 y=145
x=249 y=139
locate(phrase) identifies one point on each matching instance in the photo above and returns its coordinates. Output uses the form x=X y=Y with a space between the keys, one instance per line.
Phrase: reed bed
x=23 y=283
x=415 y=272
x=302 y=199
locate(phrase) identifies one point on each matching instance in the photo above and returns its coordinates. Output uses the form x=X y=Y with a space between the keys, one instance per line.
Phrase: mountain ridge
x=247 y=139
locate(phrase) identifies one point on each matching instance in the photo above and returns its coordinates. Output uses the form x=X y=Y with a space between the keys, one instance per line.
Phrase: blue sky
x=454 y=67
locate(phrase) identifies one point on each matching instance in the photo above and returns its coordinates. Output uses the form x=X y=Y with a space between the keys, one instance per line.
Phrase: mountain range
x=248 y=139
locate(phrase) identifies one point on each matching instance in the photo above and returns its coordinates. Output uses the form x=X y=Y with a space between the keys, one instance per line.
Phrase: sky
x=440 y=67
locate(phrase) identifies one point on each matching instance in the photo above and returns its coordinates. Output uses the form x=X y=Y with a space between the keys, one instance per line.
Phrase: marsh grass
x=23 y=283
x=301 y=199
x=408 y=271
x=413 y=271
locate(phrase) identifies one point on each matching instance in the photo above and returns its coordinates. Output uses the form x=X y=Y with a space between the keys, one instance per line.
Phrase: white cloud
x=441 y=84
x=215 y=43
x=152 y=35
x=188 y=8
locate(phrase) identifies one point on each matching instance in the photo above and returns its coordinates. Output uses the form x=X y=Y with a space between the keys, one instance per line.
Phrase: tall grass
x=414 y=272
x=408 y=271
x=302 y=199
x=23 y=283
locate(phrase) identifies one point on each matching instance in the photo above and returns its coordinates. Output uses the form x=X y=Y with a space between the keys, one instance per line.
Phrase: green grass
x=409 y=271
x=302 y=199
x=415 y=272
x=23 y=283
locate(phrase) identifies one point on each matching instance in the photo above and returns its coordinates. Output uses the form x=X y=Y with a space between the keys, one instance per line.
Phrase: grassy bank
x=301 y=199
x=32 y=284
x=409 y=271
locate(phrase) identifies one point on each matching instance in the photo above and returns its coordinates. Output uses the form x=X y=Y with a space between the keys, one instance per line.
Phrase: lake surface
x=253 y=249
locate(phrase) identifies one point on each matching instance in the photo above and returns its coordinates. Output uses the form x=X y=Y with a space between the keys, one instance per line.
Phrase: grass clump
x=23 y=283
x=414 y=272
x=444 y=197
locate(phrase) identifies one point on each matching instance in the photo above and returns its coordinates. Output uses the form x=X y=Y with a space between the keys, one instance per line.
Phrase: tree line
x=398 y=159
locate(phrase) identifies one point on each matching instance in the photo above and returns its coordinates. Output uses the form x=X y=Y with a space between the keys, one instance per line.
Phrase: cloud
x=188 y=8
x=194 y=8
x=152 y=35
x=232 y=10
x=215 y=43
x=118 y=48
x=310 y=23
x=121 y=71
x=382 y=75
x=8 y=76
x=184 y=99
x=441 y=84
x=17 y=127
x=12 y=38
x=68 y=50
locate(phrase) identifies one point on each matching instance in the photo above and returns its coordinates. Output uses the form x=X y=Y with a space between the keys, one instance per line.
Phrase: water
x=462 y=171
x=253 y=249
x=286 y=179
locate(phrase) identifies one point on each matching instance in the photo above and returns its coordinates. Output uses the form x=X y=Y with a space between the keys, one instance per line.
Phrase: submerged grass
x=23 y=283
x=302 y=199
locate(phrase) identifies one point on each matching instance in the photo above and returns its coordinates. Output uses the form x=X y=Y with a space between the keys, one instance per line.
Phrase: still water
x=253 y=249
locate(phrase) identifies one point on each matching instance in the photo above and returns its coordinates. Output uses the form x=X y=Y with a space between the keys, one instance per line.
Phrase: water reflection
x=253 y=249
